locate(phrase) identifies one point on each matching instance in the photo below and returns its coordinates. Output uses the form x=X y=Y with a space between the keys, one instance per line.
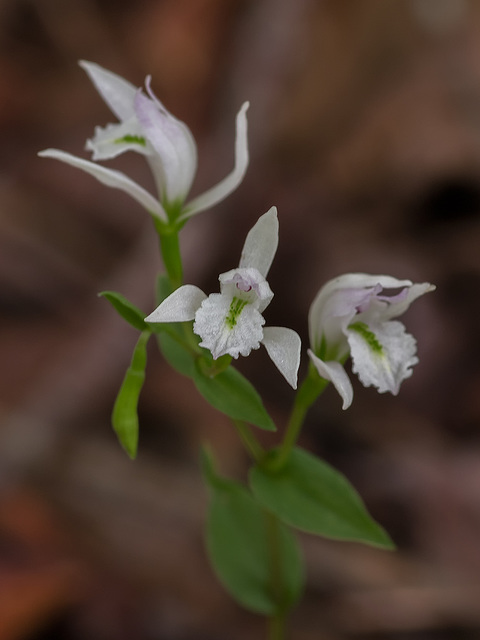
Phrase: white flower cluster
x=351 y=315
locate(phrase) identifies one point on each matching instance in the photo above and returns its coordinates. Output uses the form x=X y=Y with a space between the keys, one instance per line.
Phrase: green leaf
x=232 y=394
x=124 y=415
x=177 y=356
x=129 y=312
x=309 y=494
x=254 y=555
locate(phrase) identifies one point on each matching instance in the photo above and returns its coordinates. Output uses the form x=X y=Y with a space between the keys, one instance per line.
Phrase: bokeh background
x=365 y=132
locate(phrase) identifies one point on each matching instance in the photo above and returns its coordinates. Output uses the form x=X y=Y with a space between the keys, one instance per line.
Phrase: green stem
x=170 y=250
x=276 y=627
x=276 y=623
x=309 y=390
x=249 y=440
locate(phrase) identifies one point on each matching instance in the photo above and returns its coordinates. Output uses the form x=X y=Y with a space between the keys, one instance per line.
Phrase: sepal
x=226 y=186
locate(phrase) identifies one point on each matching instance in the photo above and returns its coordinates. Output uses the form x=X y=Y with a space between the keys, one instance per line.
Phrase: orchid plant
x=250 y=528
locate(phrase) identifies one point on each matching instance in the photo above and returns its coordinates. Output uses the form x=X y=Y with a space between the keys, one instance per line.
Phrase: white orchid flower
x=352 y=315
x=148 y=128
x=231 y=322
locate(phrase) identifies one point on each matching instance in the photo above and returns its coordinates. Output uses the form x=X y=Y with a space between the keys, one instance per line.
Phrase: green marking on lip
x=370 y=338
x=131 y=139
x=234 y=312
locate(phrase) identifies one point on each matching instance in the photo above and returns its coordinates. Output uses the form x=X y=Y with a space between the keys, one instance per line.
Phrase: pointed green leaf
x=254 y=555
x=124 y=415
x=232 y=394
x=309 y=494
x=129 y=312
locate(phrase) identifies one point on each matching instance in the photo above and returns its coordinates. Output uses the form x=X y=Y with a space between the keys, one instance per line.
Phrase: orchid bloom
x=149 y=129
x=231 y=322
x=352 y=315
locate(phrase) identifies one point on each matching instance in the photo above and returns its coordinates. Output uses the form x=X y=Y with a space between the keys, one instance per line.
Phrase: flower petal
x=415 y=291
x=117 y=92
x=111 y=178
x=228 y=325
x=114 y=139
x=324 y=307
x=283 y=346
x=180 y=306
x=173 y=142
x=382 y=355
x=247 y=284
x=261 y=243
x=334 y=372
x=225 y=187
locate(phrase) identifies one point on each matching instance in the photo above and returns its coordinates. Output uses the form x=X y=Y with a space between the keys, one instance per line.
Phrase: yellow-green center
x=131 y=139
x=370 y=338
x=234 y=312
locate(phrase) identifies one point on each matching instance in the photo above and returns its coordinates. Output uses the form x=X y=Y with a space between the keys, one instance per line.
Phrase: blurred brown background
x=365 y=132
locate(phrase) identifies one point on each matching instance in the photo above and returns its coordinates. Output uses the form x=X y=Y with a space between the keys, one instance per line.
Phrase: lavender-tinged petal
x=399 y=306
x=283 y=346
x=248 y=284
x=339 y=298
x=261 y=243
x=337 y=375
x=174 y=144
x=111 y=178
x=180 y=306
x=226 y=186
x=117 y=92
x=327 y=321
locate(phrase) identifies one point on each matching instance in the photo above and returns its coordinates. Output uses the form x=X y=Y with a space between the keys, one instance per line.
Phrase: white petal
x=283 y=346
x=174 y=144
x=382 y=355
x=228 y=325
x=323 y=306
x=261 y=243
x=248 y=284
x=225 y=187
x=334 y=372
x=180 y=306
x=117 y=92
x=114 y=139
x=415 y=291
x=111 y=178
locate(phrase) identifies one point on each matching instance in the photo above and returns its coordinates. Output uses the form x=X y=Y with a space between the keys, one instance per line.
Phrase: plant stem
x=309 y=390
x=276 y=627
x=276 y=623
x=170 y=250
x=249 y=440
